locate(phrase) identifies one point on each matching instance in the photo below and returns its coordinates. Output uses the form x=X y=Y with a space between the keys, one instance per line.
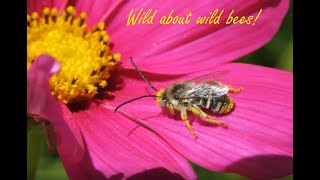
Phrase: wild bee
x=192 y=96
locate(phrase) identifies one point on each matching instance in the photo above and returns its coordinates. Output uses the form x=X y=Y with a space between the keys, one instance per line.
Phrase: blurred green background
x=278 y=53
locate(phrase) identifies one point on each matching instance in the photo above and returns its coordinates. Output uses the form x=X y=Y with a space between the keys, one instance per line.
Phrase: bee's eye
x=164 y=101
x=180 y=90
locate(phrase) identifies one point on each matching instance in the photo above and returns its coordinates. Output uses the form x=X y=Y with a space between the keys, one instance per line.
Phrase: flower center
x=84 y=55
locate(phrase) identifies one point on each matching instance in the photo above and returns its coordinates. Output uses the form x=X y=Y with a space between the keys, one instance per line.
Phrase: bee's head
x=161 y=98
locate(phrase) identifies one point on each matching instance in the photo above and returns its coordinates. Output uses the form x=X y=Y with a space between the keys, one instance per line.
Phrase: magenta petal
x=120 y=147
x=178 y=49
x=38 y=5
x=43 y=106
x=85 y=6
x=258 y=142
x=97 y=10
x=38 y=92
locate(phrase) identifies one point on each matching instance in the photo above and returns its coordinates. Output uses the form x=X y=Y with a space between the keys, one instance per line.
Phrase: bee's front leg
x=171 y=109
x=198 y=112
x=184 y=117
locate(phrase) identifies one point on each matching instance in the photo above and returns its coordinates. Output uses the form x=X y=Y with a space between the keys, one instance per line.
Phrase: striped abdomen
x=220 y=105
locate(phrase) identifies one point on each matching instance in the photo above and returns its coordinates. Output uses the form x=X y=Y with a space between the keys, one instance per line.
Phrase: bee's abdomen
x=220 y=105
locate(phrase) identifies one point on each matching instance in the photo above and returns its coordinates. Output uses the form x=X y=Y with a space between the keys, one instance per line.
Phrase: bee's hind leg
x=184 y=117
x=198 y=112
x=234 y=90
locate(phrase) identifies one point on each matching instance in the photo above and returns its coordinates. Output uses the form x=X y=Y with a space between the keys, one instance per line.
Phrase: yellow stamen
x=84 y=55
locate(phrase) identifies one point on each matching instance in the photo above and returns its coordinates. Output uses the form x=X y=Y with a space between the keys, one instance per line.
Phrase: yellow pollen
x=84 y=55
x=159 y=96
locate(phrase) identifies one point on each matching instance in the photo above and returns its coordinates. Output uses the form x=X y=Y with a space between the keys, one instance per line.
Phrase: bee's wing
x=204 y=90
x=215 y=76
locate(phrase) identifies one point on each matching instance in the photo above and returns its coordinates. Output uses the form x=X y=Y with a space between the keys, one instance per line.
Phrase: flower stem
x=35 y=140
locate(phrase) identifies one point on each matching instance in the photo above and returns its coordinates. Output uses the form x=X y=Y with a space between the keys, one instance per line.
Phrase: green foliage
x=278 y=53
x=50 y=166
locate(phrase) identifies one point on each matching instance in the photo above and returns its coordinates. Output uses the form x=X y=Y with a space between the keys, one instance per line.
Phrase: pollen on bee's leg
x=184 y=117
x=235 y=90
x=198 y=112
x=215 y=121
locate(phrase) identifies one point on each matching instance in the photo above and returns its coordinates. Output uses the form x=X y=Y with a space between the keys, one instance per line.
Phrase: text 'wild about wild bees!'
x=217 y=16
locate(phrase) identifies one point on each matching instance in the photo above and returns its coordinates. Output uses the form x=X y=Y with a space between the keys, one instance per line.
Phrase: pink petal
x=43 y=106
x=111 y=147
x=258 y=141
x=120 y=147
x=39 y=5
x=174 y=49
x=38 y=91
x=97 y=10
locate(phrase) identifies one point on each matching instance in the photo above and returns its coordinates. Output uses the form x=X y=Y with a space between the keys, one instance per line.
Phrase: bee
x=193 y=96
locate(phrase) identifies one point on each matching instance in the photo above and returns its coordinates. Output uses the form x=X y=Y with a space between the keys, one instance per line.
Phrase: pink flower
x=141 y=140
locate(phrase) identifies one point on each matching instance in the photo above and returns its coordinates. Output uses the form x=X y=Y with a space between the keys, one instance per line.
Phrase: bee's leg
x=234 y=90
x=171 y=109
x=198 y=112
x=184 y=117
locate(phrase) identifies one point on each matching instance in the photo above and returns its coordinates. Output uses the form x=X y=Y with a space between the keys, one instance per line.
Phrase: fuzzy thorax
x=84 y=55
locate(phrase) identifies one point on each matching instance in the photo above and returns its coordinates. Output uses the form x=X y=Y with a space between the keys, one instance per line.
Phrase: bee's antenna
x=150 y=95
x=145 y=79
